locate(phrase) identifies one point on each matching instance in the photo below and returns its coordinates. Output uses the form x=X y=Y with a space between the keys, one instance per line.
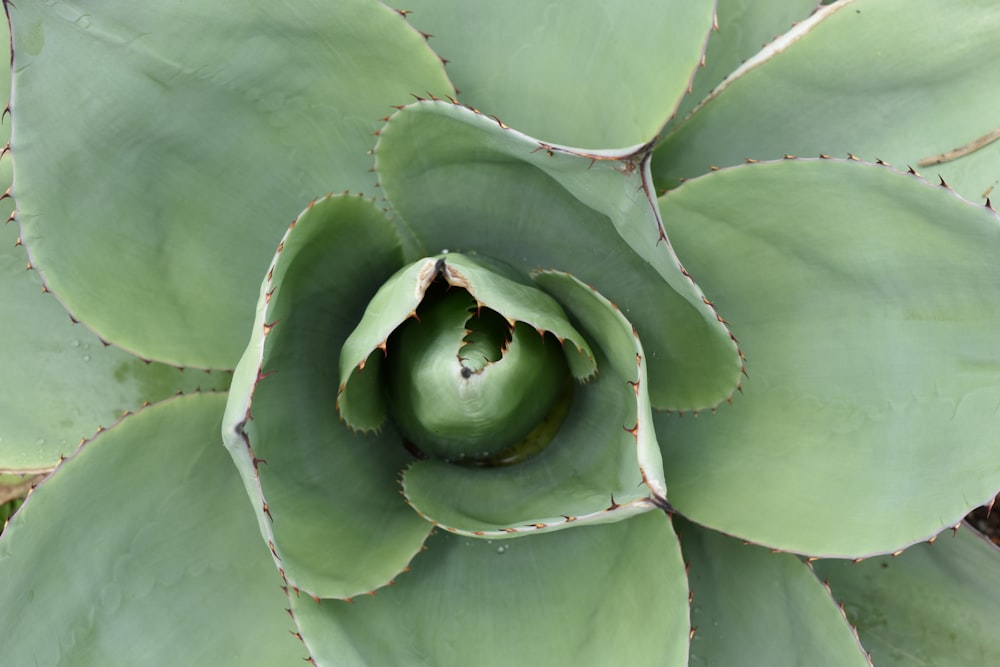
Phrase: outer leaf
x=751 y=607
x=152 y=555
x=868 y=303
x=539 y=63
x=204 y=133
x=327 y=499
x=935 y=604
x=61 y=382
x=470 y=184
x=470 y=602
x=744 y=27
x=899 y=80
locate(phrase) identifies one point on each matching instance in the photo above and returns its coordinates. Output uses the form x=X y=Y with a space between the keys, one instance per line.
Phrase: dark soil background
x=987 y=522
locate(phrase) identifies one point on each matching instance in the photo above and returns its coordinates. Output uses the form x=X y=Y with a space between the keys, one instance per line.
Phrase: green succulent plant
x=566 y=378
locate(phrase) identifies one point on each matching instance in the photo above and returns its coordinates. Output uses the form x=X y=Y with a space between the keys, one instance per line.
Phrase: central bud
x=466 y=385
x=472 y=363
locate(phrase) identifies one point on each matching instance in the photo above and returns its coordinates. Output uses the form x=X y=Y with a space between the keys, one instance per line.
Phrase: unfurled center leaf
x=473 y=366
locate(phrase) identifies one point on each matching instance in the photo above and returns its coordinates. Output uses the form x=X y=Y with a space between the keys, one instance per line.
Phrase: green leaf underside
x=538 y=66
x=602 y=466
x=362 y=405
x=744 y=27
x=62 y=382
x=751 y=607
x=473 y=602
x=935 y=604
x=858 y=82
x=334 y=513
x=182 y=162
x=867 y=303
x=462 y=182
x=152 y=553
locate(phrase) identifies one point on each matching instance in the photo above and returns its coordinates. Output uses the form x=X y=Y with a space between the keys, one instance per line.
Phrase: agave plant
x=582 y=365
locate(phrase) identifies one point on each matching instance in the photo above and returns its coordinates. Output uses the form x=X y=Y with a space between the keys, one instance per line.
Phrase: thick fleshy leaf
x=934 y=604
x=751 y=607
x=327 y=499
x=361 y=401
x=141 y=550
x=589 y=473
x=61 y=382
x=745 y=26
x=582 y=73
x=868 y=304
x=897 y=80
x=467 y=183
x=603 y=464
x=150 y=196
x=566 y=598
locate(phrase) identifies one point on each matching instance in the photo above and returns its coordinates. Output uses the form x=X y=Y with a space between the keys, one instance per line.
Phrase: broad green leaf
x=161 y=148
x=754 y=608
x=613 y=594
x=587 y=73
x=745 y=27
x=465 y=183
x=141 y=550
x=61 y=382
x=897 y=80
x=934 y=604
x=868 y=303
x=327 y=499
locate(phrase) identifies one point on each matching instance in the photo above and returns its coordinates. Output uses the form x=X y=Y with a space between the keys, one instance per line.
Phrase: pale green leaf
x=934 y=604
x=161 y=148
x=61 y=382
x=566 y=598
x=587 y=73
x=464 y=183
x=868 y=304
x=754 y=608
x=745 y=26
x=326 y=498
x=897 y=80
x=141 y=550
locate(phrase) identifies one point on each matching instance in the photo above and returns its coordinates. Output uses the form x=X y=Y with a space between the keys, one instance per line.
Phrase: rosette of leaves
x=564 y=379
